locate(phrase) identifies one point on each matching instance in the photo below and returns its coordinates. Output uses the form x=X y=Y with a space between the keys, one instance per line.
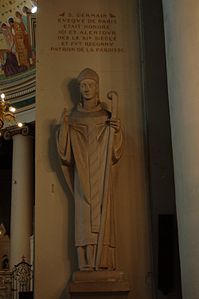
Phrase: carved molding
x=26 y=130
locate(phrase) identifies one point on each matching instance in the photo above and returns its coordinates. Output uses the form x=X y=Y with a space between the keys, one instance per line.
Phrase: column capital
x=26 y=130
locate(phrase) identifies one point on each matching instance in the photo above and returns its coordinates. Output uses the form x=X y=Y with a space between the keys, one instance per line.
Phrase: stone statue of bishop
x=89 y=142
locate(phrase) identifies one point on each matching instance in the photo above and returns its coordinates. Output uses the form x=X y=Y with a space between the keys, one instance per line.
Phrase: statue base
x=98 y=285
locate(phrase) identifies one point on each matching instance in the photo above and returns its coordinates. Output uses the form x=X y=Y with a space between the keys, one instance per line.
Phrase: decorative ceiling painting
x=17 y=37
x=17 y=52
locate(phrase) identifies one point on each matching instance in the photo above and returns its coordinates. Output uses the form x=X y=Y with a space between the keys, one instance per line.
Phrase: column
x=22 y=196
x=181 y=20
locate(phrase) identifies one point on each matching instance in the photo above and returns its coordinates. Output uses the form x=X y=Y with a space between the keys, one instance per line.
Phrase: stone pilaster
x=22 y=193
x=181 y=20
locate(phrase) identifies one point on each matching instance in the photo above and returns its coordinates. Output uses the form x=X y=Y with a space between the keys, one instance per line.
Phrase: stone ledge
x=99 y=287
x=97 y=276
x=99 y=290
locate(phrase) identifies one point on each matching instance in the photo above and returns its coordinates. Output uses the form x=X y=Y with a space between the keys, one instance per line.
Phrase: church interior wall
x=159 y=154
x=141 y=84
x=54 y=215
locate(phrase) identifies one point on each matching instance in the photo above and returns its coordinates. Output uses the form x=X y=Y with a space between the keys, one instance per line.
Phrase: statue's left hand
x=115 y=124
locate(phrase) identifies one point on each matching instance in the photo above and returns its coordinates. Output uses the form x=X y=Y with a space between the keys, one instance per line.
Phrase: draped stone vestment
x=83 y=144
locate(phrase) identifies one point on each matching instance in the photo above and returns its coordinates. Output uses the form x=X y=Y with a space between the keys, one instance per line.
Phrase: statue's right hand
x=65 y=115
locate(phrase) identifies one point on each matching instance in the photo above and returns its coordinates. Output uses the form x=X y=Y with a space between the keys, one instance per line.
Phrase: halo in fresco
x=17 y=37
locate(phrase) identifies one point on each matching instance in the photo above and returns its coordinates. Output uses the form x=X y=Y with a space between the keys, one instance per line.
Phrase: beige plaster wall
x=55 y=256
x=181 y=19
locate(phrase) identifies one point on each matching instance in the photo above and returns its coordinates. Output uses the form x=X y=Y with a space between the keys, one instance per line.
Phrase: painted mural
x=17 y=37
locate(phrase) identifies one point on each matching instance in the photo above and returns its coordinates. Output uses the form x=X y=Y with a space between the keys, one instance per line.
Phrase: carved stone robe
x=83 y=143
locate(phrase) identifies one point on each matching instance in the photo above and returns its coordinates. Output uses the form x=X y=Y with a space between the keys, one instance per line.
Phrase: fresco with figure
x=89 y=143
x=17 y=37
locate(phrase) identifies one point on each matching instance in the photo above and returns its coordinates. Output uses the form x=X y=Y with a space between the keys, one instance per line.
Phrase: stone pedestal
x=97 y=285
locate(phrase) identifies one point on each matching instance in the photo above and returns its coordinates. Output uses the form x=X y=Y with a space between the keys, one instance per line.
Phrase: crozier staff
x=89 y=142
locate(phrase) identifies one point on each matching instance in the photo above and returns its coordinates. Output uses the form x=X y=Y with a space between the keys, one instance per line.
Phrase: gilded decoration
x=17 y=37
